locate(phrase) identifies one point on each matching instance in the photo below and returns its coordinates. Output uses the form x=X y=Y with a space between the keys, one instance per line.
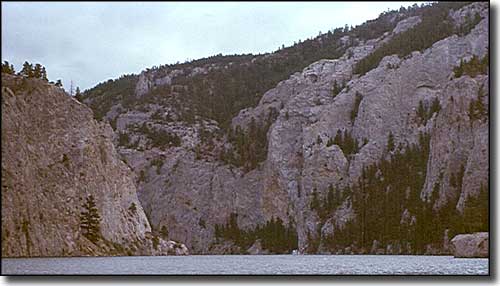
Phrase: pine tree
x=335 y=89
x=390 y=142
x=315 y=204
x=476 y=211
x=319 y=140
x=27 y=70
x=132 y=208
x=330 y=142
x=330 y=199
x=78 y=94
x=338 y=138
x=44 y=74
x=458 y=71
x=477 y=110
x=357 y=100
x=164 y=231
x=37 y=71
x=435 y=107
x=421 y=112
x=7 y=68
x=90 y=220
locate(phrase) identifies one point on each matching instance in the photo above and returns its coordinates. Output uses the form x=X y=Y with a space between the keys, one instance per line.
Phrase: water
x=248 y=264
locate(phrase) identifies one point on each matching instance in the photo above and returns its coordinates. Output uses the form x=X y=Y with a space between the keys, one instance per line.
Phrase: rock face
x=390 y=98
x=473 y=245
x=186 y=185
x=191 y=191
x=54 y=155
x=407 y=24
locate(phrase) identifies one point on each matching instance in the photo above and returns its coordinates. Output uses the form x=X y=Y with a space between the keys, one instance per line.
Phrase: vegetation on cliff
x=436 y=25
x=275 y=236
x=396 y=184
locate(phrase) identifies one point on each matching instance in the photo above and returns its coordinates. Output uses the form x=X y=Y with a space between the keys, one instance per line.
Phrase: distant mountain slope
x=219 y=86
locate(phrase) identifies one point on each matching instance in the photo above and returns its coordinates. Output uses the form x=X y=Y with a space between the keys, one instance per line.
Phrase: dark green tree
x=435 y=107
x=319 y=140
x=330 y=142
x=476 y=211
x=123 y=139
x=338 y=138
x=37 y=71
x=315 y=203
x=336 y=89
x=357 y=100
x=459 y=71
x=132 y=208
x=78 y=94
x=27 y=70
x=422 y=112
x=390 y=142
x=164 y=232
x=44 y=74
x=8 y=68
x=90 y=220
x=477 y=109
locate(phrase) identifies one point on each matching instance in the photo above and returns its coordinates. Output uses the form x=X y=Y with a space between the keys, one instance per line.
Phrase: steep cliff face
x=390 y=94
x=187 y=185
x=54 y=156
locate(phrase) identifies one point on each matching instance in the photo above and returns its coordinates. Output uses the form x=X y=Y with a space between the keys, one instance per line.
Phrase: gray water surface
x=249 y=264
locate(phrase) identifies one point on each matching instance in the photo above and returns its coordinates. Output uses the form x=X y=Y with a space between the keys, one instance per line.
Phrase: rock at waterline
x=473 y=245
x=256 y=248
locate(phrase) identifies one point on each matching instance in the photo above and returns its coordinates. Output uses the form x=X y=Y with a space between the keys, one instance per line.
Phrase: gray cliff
x=54 y=155
x=188 y=190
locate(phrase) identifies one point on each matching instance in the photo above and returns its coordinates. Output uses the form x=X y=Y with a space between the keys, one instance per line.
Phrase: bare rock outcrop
x=475 y=245
x=54 y=155
x=256 y=248
x=200 y=194
x=407 y=24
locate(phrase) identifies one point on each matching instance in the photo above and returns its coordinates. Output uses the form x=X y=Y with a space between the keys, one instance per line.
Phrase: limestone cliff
x=54 y=155
x=187 y=185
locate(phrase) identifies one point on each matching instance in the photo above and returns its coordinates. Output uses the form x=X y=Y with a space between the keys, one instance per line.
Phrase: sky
x=91 y=42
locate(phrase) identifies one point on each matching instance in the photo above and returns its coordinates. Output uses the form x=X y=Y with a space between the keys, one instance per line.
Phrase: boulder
x=256 y=248
x=181 y=249
x=375 y=246
x=471 y=245
x=431 y=250
x=348 y=250
x=389 y=249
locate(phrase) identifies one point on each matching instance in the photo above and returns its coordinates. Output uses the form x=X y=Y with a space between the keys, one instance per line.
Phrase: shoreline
x=250 y=255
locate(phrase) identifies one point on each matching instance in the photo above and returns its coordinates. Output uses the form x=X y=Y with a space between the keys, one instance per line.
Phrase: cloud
x=90 y=42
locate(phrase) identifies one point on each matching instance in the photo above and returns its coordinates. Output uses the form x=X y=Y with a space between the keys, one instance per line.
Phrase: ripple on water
x=250 y=264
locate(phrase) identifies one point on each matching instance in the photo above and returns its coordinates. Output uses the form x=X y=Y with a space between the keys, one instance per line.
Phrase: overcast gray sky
x=90 y=42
